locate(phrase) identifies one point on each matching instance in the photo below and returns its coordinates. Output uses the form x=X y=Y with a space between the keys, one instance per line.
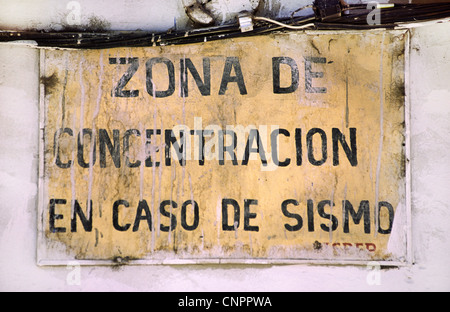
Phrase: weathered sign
x=278 y=148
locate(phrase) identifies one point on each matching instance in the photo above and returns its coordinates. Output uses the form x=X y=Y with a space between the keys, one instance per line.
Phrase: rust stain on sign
x=275 y=148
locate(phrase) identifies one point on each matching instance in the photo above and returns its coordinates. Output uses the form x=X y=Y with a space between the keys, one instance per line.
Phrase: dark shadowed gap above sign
x=283 y=148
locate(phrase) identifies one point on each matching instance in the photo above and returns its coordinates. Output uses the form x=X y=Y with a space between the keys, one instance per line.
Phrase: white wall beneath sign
x=19 y=129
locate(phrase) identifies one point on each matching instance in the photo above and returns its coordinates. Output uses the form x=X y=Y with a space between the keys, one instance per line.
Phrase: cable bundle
x=334 y=14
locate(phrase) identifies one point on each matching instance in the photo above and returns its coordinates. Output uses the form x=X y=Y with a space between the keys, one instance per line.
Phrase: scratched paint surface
x=319 y=173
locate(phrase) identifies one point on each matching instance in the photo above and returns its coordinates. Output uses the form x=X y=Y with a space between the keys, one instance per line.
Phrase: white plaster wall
x=150 y=15
x=430 y=149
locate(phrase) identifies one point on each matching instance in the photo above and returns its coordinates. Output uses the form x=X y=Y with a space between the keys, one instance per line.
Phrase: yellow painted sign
x=277 y=148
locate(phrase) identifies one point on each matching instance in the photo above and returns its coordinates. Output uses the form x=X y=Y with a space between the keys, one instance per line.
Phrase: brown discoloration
x=49 y=82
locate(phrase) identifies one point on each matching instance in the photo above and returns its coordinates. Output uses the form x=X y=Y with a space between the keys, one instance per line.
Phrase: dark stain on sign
x=49 y=83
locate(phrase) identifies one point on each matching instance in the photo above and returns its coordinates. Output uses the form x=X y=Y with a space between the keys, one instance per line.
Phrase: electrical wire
x=352 y=17
x=310 y=6
x=260 y=18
